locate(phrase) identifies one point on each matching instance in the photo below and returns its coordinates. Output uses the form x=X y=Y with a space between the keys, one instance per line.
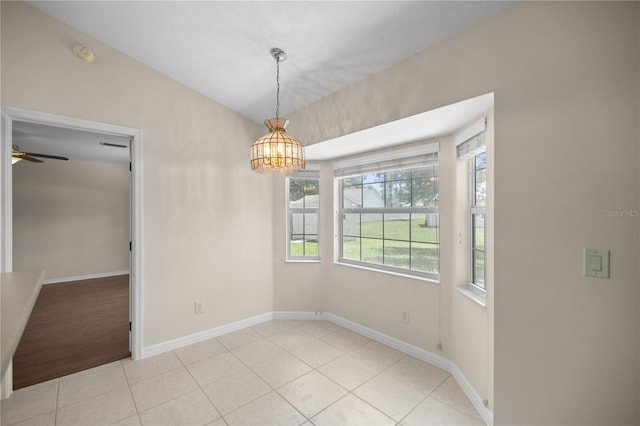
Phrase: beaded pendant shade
x=277 y=150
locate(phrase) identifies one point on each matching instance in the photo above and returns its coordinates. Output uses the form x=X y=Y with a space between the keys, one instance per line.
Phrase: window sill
x=383 y=271
x=475 y=294
x=314 y=260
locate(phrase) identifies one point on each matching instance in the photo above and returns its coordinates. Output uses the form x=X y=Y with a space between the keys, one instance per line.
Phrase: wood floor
x=74 y=326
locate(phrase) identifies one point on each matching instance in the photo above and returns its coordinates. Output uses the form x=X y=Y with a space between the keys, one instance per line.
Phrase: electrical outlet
x=198 y=307
x=405 y=316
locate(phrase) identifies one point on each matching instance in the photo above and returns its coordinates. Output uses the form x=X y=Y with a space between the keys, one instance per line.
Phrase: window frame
x=476 y=209
x=342 y=211
x=302 y=175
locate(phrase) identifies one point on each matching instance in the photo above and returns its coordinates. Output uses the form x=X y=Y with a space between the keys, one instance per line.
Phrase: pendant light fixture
x=277 y=150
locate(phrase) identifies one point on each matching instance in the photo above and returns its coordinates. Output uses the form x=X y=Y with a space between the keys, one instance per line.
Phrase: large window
x=478 y=213
x=390 y=218
x=303 y=205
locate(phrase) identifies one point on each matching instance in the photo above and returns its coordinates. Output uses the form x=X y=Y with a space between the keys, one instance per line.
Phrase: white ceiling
x=420 y=127
x=76 y=145
x=221 y=48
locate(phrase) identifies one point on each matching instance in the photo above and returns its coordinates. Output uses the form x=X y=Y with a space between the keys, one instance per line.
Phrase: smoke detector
x=83 y=53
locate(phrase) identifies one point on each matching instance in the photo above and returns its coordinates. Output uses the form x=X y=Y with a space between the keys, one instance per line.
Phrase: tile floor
x=276 y=373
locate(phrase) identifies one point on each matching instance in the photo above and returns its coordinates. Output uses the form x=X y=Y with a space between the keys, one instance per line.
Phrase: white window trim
x=385 y=269
x=470 y=289
x=473 y=209
x=385 y=157
x=474 y=293
x=311 y=172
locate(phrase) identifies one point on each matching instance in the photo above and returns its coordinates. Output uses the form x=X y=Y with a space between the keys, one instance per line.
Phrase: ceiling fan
x=17 y=155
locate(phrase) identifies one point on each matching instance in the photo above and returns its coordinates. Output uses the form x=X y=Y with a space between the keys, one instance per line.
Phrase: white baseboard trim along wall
x=204 y=335
x=407 y=348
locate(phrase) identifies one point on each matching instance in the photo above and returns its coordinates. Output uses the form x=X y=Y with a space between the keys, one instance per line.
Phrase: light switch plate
x=596 y=263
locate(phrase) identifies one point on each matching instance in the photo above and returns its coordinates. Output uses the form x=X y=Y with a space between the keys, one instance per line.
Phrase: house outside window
x=389 y=216
x=303 y=214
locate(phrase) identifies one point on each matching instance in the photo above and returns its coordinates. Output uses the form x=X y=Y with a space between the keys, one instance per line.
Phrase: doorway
x=15 y=118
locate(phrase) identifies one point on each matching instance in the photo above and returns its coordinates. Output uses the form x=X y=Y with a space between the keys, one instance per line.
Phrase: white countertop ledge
x=19 y=292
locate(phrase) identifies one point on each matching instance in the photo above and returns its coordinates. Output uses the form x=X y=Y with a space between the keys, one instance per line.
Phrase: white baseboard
x=295 y=315
x=476 y=400
x=6 y=387
x=204 y=335
x=85 y=277
x=407 y=348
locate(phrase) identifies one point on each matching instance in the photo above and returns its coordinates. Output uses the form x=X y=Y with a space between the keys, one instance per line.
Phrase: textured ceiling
x=77 y=145
x=427 y=125
x=221 y=48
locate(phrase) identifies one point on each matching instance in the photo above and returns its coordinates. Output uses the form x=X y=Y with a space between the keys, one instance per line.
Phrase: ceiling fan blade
x=27 y=158
x=53 y=157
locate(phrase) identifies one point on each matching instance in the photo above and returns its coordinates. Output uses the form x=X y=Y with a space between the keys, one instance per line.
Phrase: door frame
x=8 y=116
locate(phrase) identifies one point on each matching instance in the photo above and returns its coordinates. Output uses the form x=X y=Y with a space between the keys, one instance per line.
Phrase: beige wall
x=472 y=338
x=298 y=286
x=204 y=210
x=71 y=218
x=565 y=78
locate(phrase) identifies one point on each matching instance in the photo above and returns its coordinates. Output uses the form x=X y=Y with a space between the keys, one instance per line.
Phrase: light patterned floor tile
x=319 y=328
x=295 y=322
x=47 y=419
x=260 y=351
x=393 y=397
x=345 y=340
x=137 y=371
x=379 y=355
x=30 y=402
x=420 y=374
x=129 y=421
x=316 y=353
x=291 y=338
x=212 y=369
x=433 y=412
x=452 y=394
x=351 y=410
x=386 y=385
x=269 y=328
x=100 y=410
x=89 y=383
x=239 y=338
x=267 y=410
x=348 y=371
x=199 y=351
x=235 y=391
x=312 y=393
x=218 y=422
x=161 y=388
x=281 y=370
x=192 y=408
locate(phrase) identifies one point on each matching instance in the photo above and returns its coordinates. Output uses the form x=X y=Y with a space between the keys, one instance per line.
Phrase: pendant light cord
x=277 y=88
